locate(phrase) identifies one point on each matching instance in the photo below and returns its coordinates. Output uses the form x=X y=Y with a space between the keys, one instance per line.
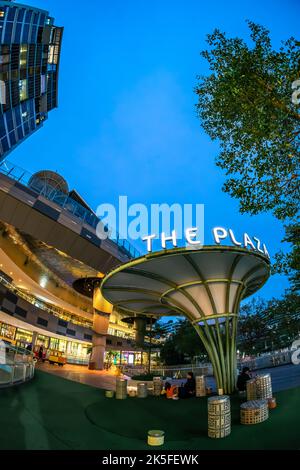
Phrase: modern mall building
x=47 y=231
x=48 y=252
x=29 y=64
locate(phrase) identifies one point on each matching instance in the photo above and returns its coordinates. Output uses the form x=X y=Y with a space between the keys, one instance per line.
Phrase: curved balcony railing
x=64 y=201
x=16 y=365
x=42 y=305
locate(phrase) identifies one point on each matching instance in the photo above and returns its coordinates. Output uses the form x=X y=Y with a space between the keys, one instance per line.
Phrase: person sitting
x=243 y=379
x=188 y=390
x=171 y=390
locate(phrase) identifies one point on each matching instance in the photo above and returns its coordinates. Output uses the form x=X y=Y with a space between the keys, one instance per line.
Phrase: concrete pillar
x=140 y=324
x=34 y=338
x=102 y=311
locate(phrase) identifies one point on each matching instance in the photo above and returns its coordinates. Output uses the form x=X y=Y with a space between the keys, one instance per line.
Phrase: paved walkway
x=95 y=378
x=283 y=377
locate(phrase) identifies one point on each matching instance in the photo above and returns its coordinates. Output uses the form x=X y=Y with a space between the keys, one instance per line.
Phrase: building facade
x=30 y=48
x=48 y=242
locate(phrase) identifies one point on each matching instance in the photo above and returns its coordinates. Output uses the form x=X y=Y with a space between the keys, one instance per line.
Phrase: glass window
x=8 y=33
x=9 y=120
x=33 y=34
x=21 y=14
x=62 y=345
x=35 y=18
x=54 y=343
x=28 y=16
x=3 y=93
x=24 y=335
x=26 y=128
x=42 y=340
x=2 y=127
x=4 y=143
x=18 y=116
x=20 y=133
x=7 y=331
x=23 y=90
x=18 y=33
x=4 y=58
x=42 y=19
x=11 y=13
x=25 y=32
x=43 y=84
x=12 y=139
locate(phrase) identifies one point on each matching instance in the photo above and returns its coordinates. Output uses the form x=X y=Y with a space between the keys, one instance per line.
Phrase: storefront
x=23 y=337
x=7 y=332
x=130 y=358
x=75 y=351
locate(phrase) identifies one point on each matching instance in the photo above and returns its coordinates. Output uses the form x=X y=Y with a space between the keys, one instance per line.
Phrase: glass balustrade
x=63 y=200
x=17 y=365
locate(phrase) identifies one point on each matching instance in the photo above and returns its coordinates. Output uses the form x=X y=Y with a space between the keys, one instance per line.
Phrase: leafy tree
x=182 y=344
x=289 y=263
x=269 y=325
x=245 y=103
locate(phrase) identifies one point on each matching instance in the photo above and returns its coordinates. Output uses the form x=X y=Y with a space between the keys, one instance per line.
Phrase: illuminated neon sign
x=219 y=234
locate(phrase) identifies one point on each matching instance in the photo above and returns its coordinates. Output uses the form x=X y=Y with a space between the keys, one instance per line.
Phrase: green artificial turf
x=53 y=413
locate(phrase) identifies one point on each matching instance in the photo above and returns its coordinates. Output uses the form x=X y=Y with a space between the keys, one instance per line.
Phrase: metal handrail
x=53 y=310
x=64 y=201
x=17 y=365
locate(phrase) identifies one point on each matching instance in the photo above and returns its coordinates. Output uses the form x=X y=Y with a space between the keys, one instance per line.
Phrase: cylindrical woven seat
x=200 y=386
x=251 y=390
x=121 y=389
x=264 y=386
x=156 y=438
x=157 y=386
x=259 y=388
x=219 y=417
x=142 y=390
x=254 y=411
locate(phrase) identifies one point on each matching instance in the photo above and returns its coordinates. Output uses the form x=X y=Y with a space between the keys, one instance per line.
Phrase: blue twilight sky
x=126 y=122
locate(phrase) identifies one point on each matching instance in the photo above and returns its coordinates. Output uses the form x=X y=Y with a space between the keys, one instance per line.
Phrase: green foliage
x=182 y=345
x=269 y=325
x=245 y=103
x=289 y=263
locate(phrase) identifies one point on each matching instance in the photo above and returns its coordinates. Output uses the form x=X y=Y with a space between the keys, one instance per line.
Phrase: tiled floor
x=95 y=378
x=283 y=377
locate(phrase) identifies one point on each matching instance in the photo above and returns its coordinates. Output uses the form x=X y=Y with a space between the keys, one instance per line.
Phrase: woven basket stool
x=157 y=386
x=251 y=390
x=142 y=390
x=200 y=386
x=121 y=389
x=264 y=387
x=254 y=411
x=219 y=417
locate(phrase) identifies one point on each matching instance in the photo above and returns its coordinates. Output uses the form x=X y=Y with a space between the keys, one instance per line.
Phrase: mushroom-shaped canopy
x=202 y=283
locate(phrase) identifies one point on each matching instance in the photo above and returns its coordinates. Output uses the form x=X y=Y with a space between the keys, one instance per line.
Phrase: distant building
x=30 y=47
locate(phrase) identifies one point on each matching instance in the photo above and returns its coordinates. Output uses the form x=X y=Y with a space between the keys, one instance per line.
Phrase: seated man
x=188 y=390
x=243 y=379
